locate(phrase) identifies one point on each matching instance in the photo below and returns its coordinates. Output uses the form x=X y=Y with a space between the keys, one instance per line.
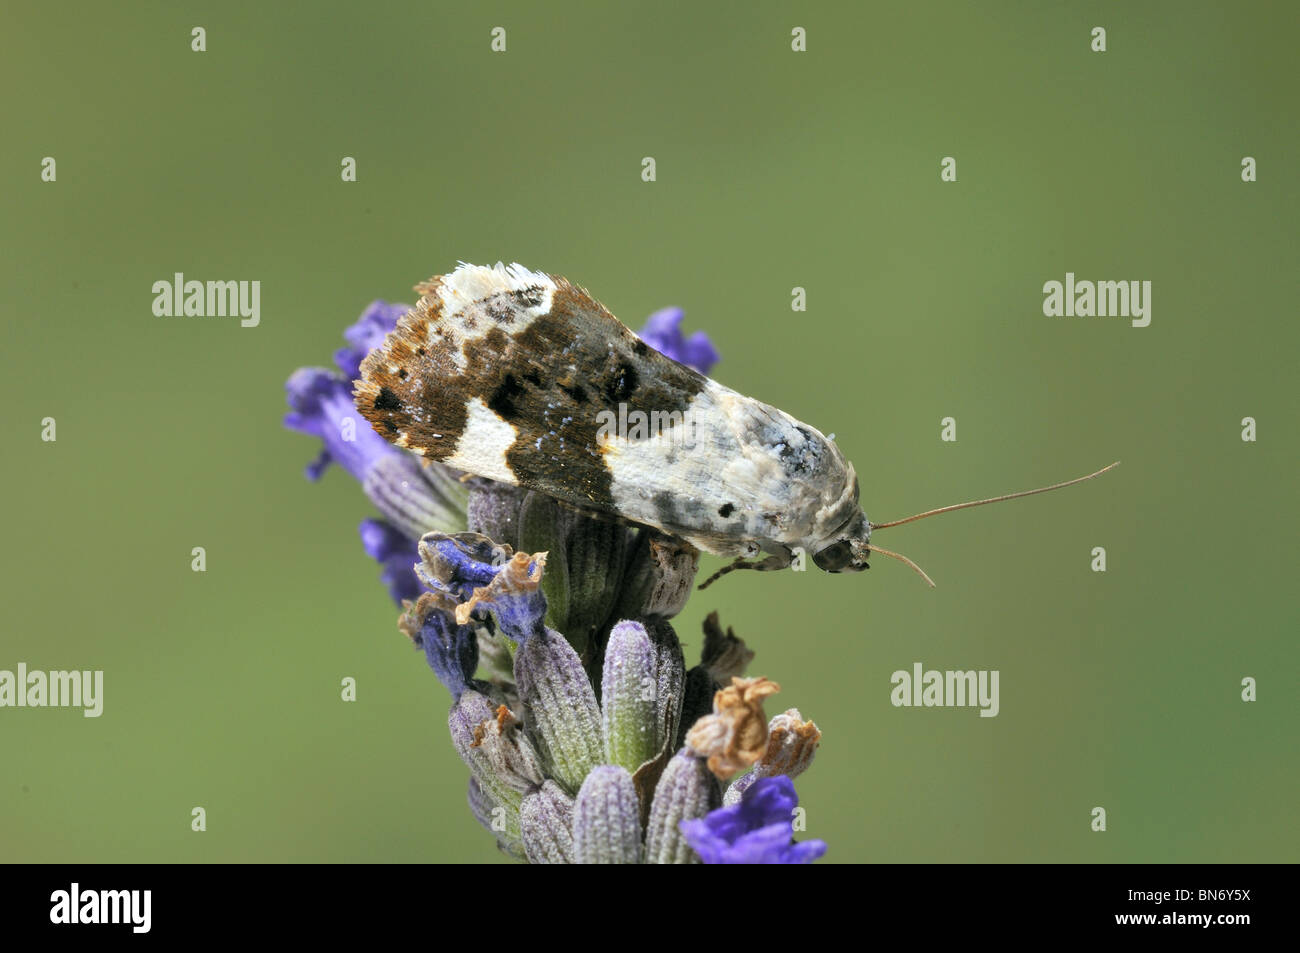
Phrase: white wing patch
x=483 y=445
x=471 y=283
x=466 y=304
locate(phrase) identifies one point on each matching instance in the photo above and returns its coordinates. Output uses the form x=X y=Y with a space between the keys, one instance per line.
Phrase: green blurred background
x=775 y=169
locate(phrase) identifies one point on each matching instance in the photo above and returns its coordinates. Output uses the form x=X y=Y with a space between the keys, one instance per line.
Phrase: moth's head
x=846 y=550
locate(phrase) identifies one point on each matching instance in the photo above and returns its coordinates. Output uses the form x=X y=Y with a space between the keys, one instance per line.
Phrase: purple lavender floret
x=451 y=649
x=663 y=332
x=397 y=554
x=367 y=334
x=758 y=830
x=470 y=568
x=457 y=565
x=322 y=407
x=321 y=401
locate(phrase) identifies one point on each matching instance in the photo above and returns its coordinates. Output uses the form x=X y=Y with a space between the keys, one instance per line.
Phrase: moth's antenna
x=902 y=559
x=994 y=499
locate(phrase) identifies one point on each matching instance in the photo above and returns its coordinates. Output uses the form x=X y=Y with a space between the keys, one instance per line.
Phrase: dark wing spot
x=387 y=400
x=621 y=382
x=533 y=377
x=577 y=392
x=401 y=372
x=640 y=348
x=726 y=509
x=503 y=398
x=502 y=308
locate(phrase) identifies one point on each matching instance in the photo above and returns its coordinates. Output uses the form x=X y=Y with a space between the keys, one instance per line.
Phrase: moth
x=516 y=376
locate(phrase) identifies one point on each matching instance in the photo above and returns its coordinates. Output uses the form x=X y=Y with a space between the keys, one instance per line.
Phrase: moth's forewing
x=505 y=376
x=523 y=378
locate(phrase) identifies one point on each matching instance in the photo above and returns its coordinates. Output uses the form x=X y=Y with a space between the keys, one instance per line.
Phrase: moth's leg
x=775 y=561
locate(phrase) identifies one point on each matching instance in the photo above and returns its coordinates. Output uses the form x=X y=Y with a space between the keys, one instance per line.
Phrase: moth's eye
x=838 y=557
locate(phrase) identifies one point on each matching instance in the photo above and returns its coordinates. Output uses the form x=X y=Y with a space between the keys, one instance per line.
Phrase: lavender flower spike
x=546 y=817
x=491 y=743
x=560 y=706
x=416 y=496
x=492 y=817
x=670 y=682
x=607 y=819
x=758 y=830
x=629 y=690
x=686 y=791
